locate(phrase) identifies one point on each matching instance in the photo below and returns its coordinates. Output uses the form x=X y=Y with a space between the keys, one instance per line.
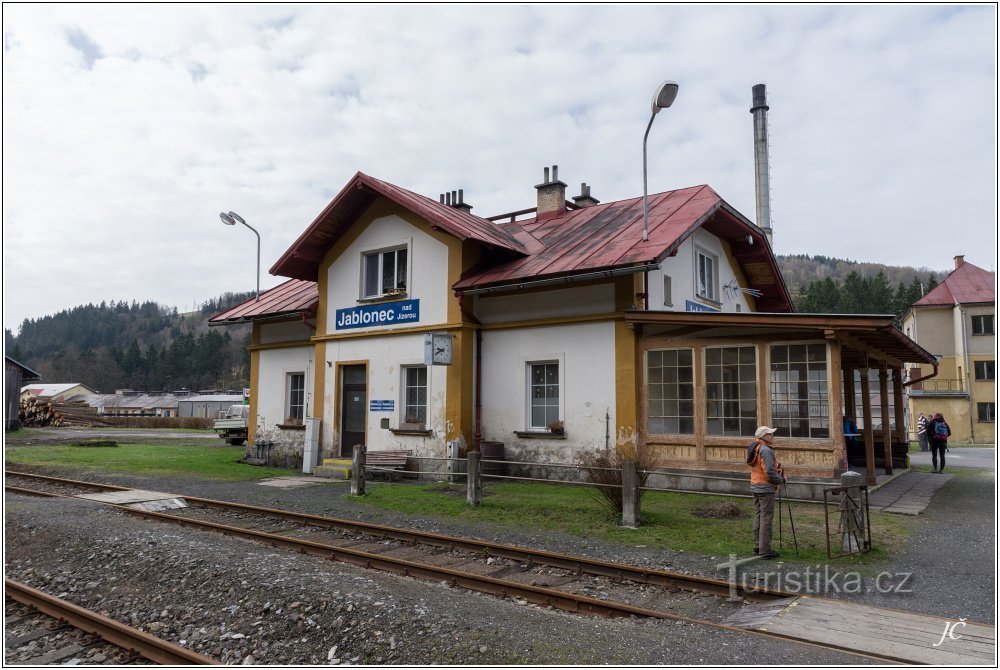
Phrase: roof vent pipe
x=761 y=170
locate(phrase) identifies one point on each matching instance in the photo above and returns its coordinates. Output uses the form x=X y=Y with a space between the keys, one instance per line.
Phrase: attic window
x=383 y=273
x=706 y=277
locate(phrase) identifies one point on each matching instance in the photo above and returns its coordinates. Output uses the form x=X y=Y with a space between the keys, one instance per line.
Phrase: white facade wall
x=385 y=358
x=681 y=269
x=586 y=356
x=427 y=268
x=284 y=331
x=272 y=384
x=576 y=301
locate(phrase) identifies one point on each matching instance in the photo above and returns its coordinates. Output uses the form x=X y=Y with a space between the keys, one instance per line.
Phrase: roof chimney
x=761 y=172
x=456 y=199
x=585 y=199
x=551 y=195
x=959 y=261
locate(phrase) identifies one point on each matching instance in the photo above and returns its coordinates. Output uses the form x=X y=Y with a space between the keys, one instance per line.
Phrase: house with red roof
x=956 y=321
x=408 y=322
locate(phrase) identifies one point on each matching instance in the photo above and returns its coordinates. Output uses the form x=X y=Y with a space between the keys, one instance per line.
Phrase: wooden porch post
x=883 y=389
x=866 y=408
x=902 y=434
x=850 y=407
x=836 y=409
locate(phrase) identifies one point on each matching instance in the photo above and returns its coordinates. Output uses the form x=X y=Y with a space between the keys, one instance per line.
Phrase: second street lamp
x=230 y=219
x=663 y=98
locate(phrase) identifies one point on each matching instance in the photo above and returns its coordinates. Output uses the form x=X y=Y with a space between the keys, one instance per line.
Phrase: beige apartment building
x=957 y=323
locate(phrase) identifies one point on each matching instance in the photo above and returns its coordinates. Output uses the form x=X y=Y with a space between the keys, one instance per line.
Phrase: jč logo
x=949 y=631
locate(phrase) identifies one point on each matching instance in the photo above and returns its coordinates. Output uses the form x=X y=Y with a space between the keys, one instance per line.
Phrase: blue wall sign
x=697 y=307
x=382 y=314
x=381 y=405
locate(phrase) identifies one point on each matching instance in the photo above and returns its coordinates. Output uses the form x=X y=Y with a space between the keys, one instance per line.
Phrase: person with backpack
x=766 y=476
x=938 y=433
x=922 y=432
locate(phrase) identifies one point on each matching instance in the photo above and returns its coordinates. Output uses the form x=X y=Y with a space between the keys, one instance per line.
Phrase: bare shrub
x=159 y=422
x=604 y=468
x=722 y=510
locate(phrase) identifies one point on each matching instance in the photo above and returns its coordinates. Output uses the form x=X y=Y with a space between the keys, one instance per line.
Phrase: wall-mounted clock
x=437 y=349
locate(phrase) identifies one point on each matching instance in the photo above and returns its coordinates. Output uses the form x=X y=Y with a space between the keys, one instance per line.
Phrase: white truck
x=232 y=424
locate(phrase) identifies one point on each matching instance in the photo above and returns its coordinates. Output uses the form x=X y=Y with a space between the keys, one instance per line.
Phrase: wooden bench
x=387 y=459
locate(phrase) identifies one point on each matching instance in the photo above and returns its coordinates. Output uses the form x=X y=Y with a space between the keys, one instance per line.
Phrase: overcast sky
x=127 y=128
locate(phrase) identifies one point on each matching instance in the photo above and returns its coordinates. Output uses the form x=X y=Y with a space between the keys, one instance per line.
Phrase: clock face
x=437 y=349
x=442 y=349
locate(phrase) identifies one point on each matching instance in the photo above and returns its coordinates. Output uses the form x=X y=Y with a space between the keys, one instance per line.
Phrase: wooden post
x=474 y=483
x=866 y=409
x=883 y=389
x=850 y=405
x=358 y=470
x=630 y=495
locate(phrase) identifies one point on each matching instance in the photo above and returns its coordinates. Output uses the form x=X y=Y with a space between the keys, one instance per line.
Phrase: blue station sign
x=382 y=314
x=381 y=405
x=690 y=306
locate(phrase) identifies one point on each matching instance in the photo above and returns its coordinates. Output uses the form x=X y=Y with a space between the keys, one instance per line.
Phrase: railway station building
x=571 y=326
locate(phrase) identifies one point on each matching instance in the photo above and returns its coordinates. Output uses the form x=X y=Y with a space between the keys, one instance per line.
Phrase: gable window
x=295 y=397
x=986 y=371
x=415 y=396
x=670 y=391
x=800 y=405
x=543 y=395
x=731 y=390
x=705 y=275
x=383 y=273
x=982 y=324
x=668 y=294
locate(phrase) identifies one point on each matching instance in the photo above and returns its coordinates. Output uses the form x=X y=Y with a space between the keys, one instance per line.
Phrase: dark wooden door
x=353 y=408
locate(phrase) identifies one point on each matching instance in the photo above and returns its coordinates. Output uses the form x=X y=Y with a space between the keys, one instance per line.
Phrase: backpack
x=941 y=431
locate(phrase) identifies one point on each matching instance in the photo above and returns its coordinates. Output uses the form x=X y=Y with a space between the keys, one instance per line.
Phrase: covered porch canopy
x=743 y=372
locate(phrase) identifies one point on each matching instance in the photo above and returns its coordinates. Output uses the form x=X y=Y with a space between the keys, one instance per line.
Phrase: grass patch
x=948 y=470
x=676 y=521
x=205 y=462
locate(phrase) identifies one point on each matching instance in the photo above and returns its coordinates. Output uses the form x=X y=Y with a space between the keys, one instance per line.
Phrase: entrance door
x=353 y=408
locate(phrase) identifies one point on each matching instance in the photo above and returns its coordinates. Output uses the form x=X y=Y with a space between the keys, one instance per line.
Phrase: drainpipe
x=968 y=376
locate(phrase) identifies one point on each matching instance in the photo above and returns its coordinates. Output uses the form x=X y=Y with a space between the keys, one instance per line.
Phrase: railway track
x=571 y=583
x=40 y=629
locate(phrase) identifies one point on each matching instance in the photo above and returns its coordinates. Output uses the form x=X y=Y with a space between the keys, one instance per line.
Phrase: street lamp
x=230 y=219
x=663 y=98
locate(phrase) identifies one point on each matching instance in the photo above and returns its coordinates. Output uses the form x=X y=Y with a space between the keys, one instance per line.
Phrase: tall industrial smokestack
x=761 y=173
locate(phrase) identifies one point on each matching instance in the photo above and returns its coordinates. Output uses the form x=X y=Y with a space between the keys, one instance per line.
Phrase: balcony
x=939 y=387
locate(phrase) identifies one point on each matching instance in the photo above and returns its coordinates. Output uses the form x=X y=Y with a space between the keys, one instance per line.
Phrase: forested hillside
x=820 y=284
x=145 y=346
x=149 y=347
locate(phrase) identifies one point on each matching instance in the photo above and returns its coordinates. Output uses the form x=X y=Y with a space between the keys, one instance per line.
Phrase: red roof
x=302 y=259
x=964 y=285
x=293 y=297
x=609 y=236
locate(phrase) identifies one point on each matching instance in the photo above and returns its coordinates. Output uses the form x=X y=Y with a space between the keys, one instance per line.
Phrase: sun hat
x=764 y=430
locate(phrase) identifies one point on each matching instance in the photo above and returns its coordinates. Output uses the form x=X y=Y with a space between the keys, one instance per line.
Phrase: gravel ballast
x=241 y=602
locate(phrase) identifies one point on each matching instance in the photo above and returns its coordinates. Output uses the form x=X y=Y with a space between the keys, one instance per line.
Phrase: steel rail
x=504 y=588
x=615 y=571
x=146 y=645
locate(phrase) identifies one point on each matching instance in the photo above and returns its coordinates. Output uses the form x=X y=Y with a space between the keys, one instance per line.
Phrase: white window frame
x=289 y=390
x=989 y=374
x=984 y=320
x=543 y=359
x=378 y=256
x=404 y=388
x=708 y=291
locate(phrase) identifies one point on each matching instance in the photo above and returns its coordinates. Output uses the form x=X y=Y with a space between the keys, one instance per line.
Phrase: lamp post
x=230 y=219
x=663 y=98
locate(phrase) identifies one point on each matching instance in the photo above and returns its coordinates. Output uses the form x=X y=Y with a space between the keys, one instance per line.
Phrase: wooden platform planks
x=755 y=616
x=906 y=636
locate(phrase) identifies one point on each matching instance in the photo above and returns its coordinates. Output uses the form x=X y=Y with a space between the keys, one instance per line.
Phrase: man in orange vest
x=766 y=476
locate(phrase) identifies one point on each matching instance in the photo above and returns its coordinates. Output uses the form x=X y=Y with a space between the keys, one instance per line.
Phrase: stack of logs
x=35 y=413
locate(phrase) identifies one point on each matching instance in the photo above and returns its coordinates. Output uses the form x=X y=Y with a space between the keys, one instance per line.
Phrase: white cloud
x=127 y=128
